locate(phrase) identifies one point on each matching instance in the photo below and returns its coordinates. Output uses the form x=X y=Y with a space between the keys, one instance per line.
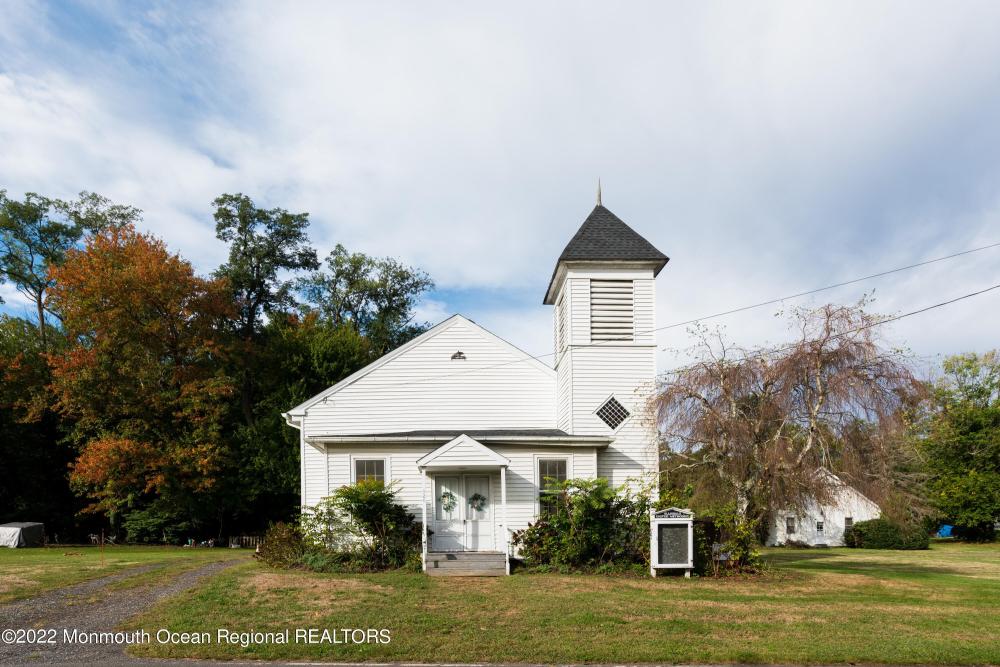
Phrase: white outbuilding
x=823 y=524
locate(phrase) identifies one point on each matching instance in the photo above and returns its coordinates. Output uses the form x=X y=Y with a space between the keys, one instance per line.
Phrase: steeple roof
x=604 y=237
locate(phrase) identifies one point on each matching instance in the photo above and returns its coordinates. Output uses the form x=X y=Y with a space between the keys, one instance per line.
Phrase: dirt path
x=90 y=607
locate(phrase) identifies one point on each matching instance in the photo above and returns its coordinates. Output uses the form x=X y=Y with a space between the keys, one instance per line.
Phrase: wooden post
x=102 y=547
x=423 y=508
x=503 y=516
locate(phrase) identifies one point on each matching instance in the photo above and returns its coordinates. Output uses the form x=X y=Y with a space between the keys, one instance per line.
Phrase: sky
x=767 y=148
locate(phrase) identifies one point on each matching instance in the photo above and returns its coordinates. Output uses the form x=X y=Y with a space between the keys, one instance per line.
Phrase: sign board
x=671 y=540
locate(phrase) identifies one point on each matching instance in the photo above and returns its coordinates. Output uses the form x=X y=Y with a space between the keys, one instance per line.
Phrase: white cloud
x=766 y=148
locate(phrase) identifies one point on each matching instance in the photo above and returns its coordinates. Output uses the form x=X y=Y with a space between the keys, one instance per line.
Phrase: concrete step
x=493 y=572
x=467 y=564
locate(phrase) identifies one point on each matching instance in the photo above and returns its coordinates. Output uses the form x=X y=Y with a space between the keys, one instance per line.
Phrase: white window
x=365 y=469
x=848 y=522
x=612 y=413
x=611 y=310
x=551 y=473
x=790 y=525
x=819 y=526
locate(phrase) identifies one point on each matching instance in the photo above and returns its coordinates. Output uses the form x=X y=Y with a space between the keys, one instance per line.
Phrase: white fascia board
x=556 y=440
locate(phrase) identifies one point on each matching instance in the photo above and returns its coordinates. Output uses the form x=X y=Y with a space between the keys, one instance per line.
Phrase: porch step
x=467 y=564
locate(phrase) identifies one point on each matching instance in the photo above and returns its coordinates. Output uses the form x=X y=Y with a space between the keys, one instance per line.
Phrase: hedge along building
x=469 y=428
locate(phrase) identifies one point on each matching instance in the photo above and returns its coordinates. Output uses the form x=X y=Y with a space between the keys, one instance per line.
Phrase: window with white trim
x=612 y=413
x=365 y=469
x=848 y=522
x=819 y=526
x=612 y=310
x=790 y=525
x=551 y=473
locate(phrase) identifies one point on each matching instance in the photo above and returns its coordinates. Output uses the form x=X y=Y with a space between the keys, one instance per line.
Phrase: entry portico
x=461 y=514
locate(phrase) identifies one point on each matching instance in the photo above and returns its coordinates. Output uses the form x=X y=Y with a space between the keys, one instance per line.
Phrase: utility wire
x=742 y=309
x=877 y=323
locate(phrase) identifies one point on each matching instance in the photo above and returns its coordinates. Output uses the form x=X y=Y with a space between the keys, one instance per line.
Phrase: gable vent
x=613 y=413
x=458 y=356
x=611 y=310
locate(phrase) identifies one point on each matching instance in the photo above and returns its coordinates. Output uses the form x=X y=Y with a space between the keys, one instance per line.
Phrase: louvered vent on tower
x=611 y=310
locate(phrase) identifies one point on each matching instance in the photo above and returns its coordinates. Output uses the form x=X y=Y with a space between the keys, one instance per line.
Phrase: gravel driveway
x=88 y=607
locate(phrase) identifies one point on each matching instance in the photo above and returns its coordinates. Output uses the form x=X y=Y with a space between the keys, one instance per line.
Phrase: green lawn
x=835 y=605
x=27 y=572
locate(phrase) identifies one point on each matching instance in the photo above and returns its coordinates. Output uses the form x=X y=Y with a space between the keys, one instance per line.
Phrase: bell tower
x=603 y=291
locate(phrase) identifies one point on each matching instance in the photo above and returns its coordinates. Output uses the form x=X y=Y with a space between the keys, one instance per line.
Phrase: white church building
x=468 y=427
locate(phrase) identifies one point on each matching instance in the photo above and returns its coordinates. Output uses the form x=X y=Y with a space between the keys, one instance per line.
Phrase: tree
x=142 y=383
x=36 y=233
x=30 y=434
x=760 y=427
x=299 y=356
x=962 y=443
x=375 y=295
x=264 y=245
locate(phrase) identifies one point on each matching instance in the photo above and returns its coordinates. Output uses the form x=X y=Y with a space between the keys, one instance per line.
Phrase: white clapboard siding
x=495 y=386
x=522 y=489
x=579 y=307
x=645 y=311
x=625 y=372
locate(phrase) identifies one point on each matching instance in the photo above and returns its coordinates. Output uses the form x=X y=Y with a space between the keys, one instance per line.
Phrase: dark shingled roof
x=603 y=236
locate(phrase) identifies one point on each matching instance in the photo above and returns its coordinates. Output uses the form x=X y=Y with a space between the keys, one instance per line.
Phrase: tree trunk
x=41 y=321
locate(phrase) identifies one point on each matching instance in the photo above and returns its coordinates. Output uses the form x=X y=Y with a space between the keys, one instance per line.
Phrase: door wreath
x=448 y=501
x=477 y=502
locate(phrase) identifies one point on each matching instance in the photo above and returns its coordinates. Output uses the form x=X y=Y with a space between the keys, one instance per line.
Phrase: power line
x=738 y=310
x=887 y=320
x=823 y=289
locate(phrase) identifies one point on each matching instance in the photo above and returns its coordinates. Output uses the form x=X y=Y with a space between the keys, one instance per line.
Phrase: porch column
x=503 y=515
x=423 y=509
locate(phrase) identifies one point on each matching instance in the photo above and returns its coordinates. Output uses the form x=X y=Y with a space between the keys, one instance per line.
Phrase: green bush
x=360 y=527
x=282 y=546
x=588 y=523
x=885 y=534
x=736 y=537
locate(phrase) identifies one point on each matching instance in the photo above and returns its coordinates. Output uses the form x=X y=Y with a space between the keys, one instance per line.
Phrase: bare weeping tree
x=764 y=427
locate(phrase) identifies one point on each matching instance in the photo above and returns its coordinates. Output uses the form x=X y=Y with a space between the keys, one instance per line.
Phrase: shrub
x=737 y=539
x=589 y=524
x=282 y=546
x=361 y=527
x=885 y=534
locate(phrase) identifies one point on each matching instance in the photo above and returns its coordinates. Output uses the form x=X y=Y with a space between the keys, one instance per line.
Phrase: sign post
x=671 y=540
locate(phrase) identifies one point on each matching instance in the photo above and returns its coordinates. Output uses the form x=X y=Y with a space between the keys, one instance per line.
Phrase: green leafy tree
x=30 y=434
x=264 y=246
x=375 y=295
x=962 y=443
x=36 y=233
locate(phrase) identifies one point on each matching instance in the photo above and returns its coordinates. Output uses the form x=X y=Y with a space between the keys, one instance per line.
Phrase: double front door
x=463 y=513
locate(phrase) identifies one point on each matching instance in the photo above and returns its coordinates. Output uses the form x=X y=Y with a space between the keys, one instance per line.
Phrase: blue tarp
x=945 y=531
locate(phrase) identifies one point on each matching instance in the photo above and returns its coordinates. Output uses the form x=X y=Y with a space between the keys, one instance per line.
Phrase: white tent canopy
x=22 y=534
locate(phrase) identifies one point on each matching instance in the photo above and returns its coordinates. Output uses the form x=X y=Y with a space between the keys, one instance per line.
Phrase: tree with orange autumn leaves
x=142 y=383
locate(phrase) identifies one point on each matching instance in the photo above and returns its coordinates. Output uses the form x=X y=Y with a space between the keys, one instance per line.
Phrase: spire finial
x=599 y=192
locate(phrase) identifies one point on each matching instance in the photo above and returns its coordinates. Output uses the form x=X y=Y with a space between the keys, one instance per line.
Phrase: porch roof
x=463 y=452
